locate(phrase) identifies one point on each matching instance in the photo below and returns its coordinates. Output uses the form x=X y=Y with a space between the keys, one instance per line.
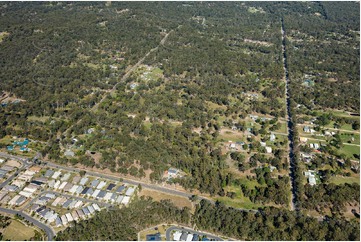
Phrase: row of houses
x=5 y=169
x=186 y=236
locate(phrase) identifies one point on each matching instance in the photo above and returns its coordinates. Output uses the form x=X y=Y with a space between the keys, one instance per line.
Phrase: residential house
x=76 y=179
x=130 y=191
x=68 y=187
x=125 y=200
x=110 y=187
x=177 y=235
x=75 y=215
x=120 y=189
x=69 y=217
x=272 y=137
x=49 y=173
x=66 y=177
x=189 y=237
x=83 y=181
x=56 y=175
x=268 y=149
x=94 y=183
x=101 y=185
x=119 y=199
x=96 y=207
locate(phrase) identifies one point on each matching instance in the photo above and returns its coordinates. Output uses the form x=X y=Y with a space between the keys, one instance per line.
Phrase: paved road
x=48 y=230
x=24 y=166
x=289 y=121
x=134 y=182
x=104 y=204
x=169 y=230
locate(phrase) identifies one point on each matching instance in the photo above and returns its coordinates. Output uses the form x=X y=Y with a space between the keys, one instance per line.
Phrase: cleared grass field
x=157 y=196
x=17 y=231
x=342 y=179
x=350 y=150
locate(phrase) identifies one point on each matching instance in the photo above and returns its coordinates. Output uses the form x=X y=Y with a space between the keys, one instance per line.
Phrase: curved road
x=48 y=230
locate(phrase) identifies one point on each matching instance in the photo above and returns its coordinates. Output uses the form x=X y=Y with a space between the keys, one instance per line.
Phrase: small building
x=312 y=180
x=306 y=129
x=311 y=146
x=57 y=184
x=75 y=215
x=68 y=187
x=268 y=149
x=125 y=200
x=84 y=180
x=58 y=221
x=56 y=201
x=64 y=220
x=110 y=187
x=1 y=161
x=119 y=199
x=69 y=153
x=113 y=197
x=80 y=213
x=272 y=137
x=96 y=207
x=94 y=183
x=56 y=175
x=108 y=196
x=172 y=173
x=303 y=139
x=189 y=237
x=49 y=173
x=72 y=204
x=263 y=144
x=66 y=177
x=67 y=203
x=195 y=237
x=90 y=192
x=101 y=194
x=61 y=187
x=78 y=204
x=130 y=191
x=69 y=217
x=184 y=236
x=79 y=189
x=153 y=237
x=91 y=209
x=20 y=201
x=84 y=191
x=95 y=193
x=177 y=235
x=120 y=189
x=86 y=211
x=11 y=188
x=73 y=189
x=101 y=185
x=76 y=179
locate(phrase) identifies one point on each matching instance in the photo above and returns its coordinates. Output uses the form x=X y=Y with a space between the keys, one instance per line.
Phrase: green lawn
x=341 y=180
x=345 y=137
x=17 y=231
x=239 y=201
x=349 y=150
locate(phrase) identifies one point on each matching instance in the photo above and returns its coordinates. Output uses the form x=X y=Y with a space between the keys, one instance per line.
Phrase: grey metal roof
x=94 y=183
x=90 y=191
x=67 y=203
x=49 y=173
x=102 y=194
x=91 y=209
x=120 y=189
x=86 y=211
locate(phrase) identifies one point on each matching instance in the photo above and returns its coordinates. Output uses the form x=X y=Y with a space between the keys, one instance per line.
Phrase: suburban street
x=48 y=230
x=68 y=196
x=155 y=187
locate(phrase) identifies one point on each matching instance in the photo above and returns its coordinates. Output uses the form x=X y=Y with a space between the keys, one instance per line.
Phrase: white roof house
x=62 y=185
x=101 y=185
x=268 y=149
x=78 y=204
x=312 y=180
x=189 y=237
x=263 y=144
x=95 y=193
x=130 y=191
x=25 y=194
x=108 y=196
x=69 y=217
x=177 y=234
x=96 y=207
x=64 y=219
x=56 y=201
x=57 y=184
x=56 y=175
x=73 y=189
x=272 y=137
x=66 y=177
x=51 y=183
x=84 y=180
x=119 y=199
x=125 y=200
